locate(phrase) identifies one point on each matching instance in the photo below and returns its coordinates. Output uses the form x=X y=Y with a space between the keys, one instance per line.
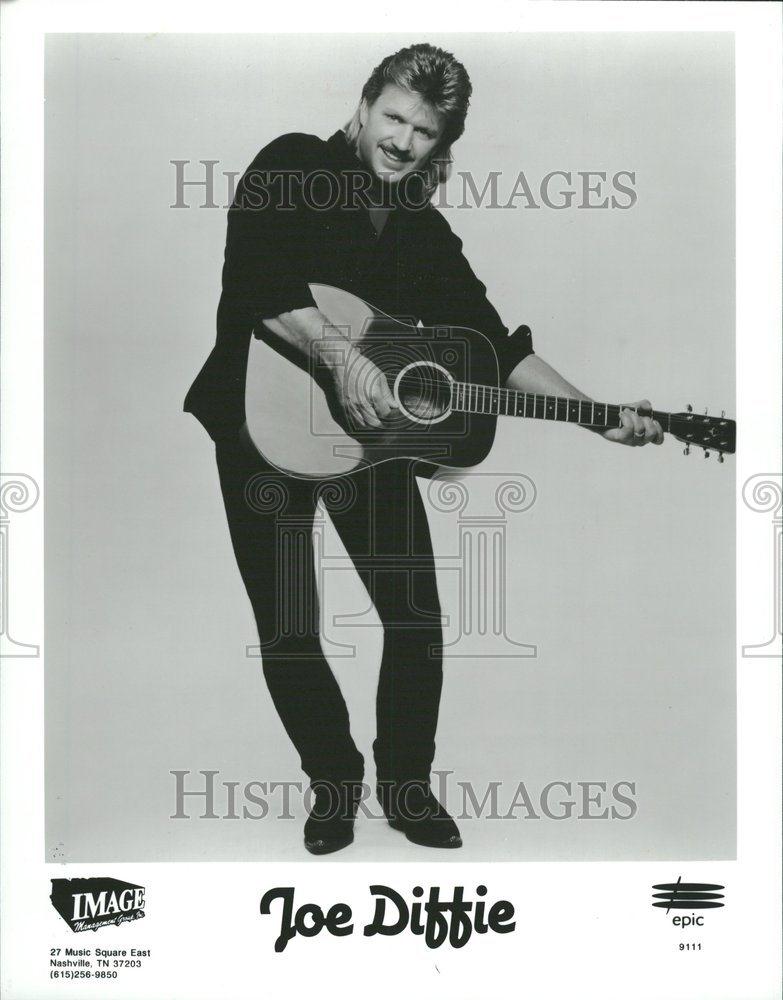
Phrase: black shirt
x=300 y=215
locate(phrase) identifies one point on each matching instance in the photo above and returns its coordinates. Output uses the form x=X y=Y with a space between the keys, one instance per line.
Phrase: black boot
x=411 y=808
x=329 y=827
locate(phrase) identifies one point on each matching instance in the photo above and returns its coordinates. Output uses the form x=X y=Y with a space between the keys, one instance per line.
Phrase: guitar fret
x=499 y=401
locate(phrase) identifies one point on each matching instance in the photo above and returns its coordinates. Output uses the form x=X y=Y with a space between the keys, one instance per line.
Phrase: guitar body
x=445 y=382
x=292 y=417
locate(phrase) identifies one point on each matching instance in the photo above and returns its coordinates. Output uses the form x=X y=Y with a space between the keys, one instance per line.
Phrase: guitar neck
x=471 y=398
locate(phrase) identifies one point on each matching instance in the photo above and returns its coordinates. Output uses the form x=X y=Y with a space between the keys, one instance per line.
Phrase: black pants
x=381 y=520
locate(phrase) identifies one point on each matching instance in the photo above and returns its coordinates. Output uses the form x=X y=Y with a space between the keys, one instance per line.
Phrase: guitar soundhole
x=424 y=392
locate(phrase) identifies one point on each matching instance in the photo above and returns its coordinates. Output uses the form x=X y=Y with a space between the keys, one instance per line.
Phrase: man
x=384 y=242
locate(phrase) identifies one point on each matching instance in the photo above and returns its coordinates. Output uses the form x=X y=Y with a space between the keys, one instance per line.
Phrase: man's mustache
x=406 y=157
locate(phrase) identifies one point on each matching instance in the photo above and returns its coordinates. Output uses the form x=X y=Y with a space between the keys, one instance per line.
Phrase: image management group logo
x=86 y=904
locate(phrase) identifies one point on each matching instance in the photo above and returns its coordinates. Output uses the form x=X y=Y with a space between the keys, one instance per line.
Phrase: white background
x=620 y=572
x=584 y=929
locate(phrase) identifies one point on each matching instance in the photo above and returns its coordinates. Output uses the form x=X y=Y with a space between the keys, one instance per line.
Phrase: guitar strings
x=474 y=388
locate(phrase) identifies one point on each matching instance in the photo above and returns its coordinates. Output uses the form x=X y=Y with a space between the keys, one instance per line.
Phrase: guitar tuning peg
x=689 y=407
x=706 y=453
x=686 y=450
x=705 y=410
x=723 y=413
x=720 y=456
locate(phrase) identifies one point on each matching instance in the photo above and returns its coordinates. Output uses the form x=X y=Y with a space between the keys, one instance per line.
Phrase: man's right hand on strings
x=361 y=389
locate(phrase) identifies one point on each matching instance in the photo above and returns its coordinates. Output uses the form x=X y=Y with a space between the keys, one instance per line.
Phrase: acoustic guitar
x=444 y=380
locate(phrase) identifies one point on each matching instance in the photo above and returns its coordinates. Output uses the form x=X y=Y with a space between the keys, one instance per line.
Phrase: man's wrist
x=333 y=352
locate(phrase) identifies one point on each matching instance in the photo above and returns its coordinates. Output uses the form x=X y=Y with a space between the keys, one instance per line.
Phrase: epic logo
x=691 y=921
x=681 y=895
x=89 y=903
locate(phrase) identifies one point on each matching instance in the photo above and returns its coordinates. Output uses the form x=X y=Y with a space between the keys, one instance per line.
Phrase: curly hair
x=439 y=79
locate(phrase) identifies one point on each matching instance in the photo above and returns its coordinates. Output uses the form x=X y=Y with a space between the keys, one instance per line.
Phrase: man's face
x=400 y=132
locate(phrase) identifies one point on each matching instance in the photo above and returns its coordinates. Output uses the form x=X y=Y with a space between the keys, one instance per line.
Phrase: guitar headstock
x=710 y=433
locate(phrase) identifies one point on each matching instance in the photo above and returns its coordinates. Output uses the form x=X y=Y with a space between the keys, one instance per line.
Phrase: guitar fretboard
x=471 y=398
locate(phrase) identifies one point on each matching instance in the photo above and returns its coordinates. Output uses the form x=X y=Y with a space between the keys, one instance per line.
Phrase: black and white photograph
x=321 y=588
x=341 y=630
